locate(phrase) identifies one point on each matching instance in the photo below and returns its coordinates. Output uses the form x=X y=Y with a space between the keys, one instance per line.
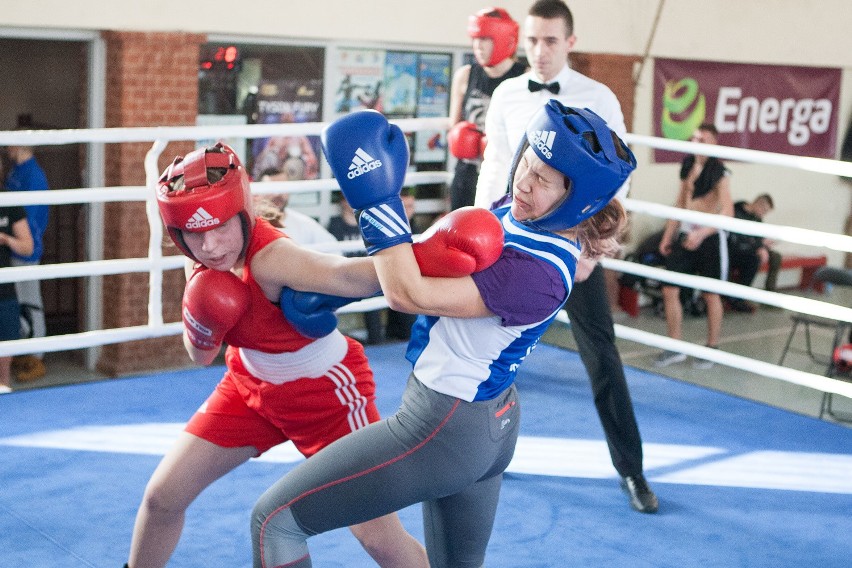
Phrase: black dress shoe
x=641 y=497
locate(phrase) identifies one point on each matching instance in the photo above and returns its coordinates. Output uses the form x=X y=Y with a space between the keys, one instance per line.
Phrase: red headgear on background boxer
x=497 y=25
x=495 y=39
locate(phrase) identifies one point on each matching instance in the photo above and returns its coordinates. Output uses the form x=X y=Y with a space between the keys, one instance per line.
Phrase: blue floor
x=740 y=484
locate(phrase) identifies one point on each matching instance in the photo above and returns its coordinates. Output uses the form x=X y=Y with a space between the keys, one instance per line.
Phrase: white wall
x=767 y=31
x=748 y=32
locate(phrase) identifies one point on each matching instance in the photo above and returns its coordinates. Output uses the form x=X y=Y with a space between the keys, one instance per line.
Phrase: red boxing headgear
x=497 y=25
x=189 y=202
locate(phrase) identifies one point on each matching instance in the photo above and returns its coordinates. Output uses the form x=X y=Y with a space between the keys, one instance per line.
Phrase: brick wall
x=151 y=81
x=614 y=71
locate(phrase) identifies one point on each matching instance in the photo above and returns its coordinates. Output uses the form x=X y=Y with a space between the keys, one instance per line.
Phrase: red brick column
x=152 y=80
x=614 y=71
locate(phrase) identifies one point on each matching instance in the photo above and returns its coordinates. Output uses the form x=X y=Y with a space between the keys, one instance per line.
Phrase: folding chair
x=842 y=330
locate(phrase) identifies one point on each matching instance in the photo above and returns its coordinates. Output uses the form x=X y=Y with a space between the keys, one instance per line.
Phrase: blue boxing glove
x=312 y=313
x=369 y=158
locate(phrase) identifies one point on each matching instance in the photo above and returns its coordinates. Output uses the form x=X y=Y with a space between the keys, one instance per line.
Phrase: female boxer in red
x=279 y=385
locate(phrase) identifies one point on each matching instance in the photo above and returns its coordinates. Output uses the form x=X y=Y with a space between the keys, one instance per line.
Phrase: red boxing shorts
x=312 y=412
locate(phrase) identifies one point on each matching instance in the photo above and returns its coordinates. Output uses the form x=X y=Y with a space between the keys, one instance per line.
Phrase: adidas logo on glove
x=543 y=140
x=362 y=163
x=201 y=219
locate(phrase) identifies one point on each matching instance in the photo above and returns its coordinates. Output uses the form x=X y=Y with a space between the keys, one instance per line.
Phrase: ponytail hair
x=601 y=234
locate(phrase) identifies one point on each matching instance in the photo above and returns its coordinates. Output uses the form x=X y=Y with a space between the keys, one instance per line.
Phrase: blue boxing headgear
x=579 y=144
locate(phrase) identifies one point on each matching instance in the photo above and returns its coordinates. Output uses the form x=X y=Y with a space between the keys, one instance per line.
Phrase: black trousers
x=591 y=323
x=744 y=267
x=463 y=186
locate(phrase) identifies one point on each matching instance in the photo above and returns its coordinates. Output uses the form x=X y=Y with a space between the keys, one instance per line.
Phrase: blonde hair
x=601 y=234
x=265 y=209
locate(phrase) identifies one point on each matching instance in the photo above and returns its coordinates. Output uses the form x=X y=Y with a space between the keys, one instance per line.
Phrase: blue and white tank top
x=478 y=358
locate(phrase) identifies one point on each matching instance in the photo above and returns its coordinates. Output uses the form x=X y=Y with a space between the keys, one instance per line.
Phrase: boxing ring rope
x=818 y=165
x=155 y=264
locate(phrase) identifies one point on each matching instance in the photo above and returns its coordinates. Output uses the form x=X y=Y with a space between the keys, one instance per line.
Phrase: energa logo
x=684 y=108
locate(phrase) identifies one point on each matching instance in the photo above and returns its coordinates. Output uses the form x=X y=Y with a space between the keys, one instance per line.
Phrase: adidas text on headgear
x=594 y=160
x=202 y=190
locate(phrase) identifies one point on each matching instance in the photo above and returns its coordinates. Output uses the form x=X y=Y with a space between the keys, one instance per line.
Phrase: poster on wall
x=288 y=158
x=360 y=75
x=433 y=100
x=786 y=109
x=400 y=81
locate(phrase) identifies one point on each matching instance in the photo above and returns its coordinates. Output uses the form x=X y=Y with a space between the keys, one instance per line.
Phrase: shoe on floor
x=666 y=358
x=703 y=364
x=29 y=368
x=5 y=389
x=641 y=497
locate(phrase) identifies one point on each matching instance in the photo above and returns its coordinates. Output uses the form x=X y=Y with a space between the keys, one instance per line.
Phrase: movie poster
x=433 y=100
x=288 y=158
x=400 y=93
x=361 y=77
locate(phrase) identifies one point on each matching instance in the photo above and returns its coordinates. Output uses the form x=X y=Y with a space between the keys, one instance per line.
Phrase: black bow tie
x=535 y=87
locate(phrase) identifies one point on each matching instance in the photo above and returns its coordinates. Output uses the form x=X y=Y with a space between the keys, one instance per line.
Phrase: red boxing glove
x=465 y=141
x=464 y=241
x=213 y=303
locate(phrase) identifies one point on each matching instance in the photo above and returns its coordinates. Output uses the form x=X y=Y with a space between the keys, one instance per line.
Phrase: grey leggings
x=444 y=452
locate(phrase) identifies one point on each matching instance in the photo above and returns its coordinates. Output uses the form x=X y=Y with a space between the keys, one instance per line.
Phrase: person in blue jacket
x=27 y=175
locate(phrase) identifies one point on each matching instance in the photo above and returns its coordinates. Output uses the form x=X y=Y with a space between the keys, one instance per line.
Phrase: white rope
x=169 y=133
x=792 y=303
x=120 y=335
x=88 y=339
x=777 y=232
x=810 y=380
x=89 y=268
x=368 y=305
x=142 y=193
x=819 y=165
x=68 y=196
x=313 y=185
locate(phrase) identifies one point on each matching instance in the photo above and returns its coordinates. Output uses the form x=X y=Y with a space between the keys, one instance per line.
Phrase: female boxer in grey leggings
x=455 y=432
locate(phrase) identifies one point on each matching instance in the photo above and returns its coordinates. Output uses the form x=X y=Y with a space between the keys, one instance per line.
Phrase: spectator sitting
x=748 y=252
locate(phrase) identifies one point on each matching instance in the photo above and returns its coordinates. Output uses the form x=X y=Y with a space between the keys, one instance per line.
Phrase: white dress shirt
x=305 y=230
x=512 y=107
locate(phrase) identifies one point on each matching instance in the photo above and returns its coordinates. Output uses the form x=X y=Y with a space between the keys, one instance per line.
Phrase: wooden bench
x=628 y=298
x=808 y=265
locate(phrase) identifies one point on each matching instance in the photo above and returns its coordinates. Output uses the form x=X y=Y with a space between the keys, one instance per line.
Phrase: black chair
x=827 y=398
x=842 y=333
